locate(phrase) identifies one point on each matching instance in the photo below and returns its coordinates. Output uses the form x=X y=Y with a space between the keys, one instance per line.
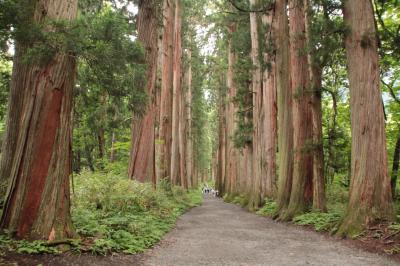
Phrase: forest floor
x=219 y=233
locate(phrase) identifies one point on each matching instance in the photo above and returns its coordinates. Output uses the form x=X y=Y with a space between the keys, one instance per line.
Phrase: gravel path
x=218 y=233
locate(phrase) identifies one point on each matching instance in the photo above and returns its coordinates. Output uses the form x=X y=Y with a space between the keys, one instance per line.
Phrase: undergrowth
x=114 y=214
x=319 y=220
x=238 y=199
x=269 y=208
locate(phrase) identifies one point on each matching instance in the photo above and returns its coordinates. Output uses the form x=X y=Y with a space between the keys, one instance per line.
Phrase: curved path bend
x=218 y=233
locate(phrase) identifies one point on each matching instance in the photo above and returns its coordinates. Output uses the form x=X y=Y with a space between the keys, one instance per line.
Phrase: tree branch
x=268 y=7
x=390 y=88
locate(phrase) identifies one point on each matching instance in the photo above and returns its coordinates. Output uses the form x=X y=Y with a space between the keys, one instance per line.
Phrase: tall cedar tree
x=231 y=153
x=37 y=149
x=142 y=157
x=315 y=71
x=284 y=95
x=302 y=192
x=165 y=130
x=258 y=115
x=370 y=192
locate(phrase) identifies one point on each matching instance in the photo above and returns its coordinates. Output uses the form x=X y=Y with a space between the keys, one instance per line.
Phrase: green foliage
x=119 y=215
x=114 y=214
x=395 y=226
x=242 y=77
x=35 y=247
x=201 y=112
x=269 y=208
x=23 y=246
x=110 y=87
x=320 y=221
x=238 y=199
x=5 y=79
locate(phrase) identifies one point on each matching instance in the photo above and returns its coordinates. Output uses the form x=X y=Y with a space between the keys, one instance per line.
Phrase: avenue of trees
x=273 y=100
x=301 y=111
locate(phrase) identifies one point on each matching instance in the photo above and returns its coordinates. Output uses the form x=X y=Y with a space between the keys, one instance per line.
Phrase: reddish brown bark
x=269 y=109
x=142 y=157
x=231 y=153
x=221 y=174
x=302 y=190
x=319 y=199
x=165 y=132
x=284 y=96
x=370 y=198
x=255 y=194
x=37 y=204
x=188 y=115
x=176 y=177
x=315 y=72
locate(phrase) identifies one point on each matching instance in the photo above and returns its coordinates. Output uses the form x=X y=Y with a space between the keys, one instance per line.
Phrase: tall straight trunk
x=182 y=116
x=77 y=162
x=183 y=143
x=330 y=164
x=89 y=158
x=165 y=131
x=231 y=151
x=188 y=112
x=315 y=72
x=101 y=142
x=158 y=143
x=101 y=139
x=302 y=190
x=176 y=97
x=284 y=95
x=319 y=198
x=395 y=168
x=269 y=132
x=142 y=155
x=256 y=198
x=112 y=151
x=221 y=177
x=37 y=204
x=370 y=198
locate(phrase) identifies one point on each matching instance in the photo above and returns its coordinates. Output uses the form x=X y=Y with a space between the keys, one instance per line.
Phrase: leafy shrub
x=23 y=246
x=320 y=221
x=269 y=208
x=122 y=215
x=114 y=214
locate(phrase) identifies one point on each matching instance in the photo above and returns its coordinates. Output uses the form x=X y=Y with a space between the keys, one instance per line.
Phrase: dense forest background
x=264 y=99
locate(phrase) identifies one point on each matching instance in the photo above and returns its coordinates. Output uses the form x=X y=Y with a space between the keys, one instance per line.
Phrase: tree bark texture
x=142 y=156
x=188 y=113
x=38 y=200
x=255 y=195
x=284 y=96
x=176 y=98
x=165 y=131
x=231 y=151
x=220 y=184
x=269 y=109
x=302 y=191
x=370 y=198
x=315 y=72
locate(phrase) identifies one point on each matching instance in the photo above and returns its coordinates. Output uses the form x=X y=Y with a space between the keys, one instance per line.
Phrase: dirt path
x=218 y=233
x=223 y=234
